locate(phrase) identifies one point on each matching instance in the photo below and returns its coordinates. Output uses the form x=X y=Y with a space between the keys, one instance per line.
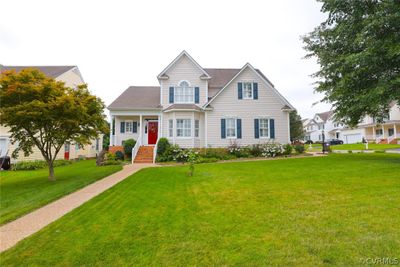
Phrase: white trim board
x=183 y=53
x=248 y=65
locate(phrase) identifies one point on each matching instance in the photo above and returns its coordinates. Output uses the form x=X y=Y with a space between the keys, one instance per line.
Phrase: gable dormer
x=183 y=81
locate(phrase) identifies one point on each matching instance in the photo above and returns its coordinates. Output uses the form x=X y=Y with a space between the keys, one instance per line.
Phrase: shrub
x=119 y=155
x=38 y=164
x=163 y=145
x=272 y=150
x=61 y=162
x=299 y=149
x=218 y=153
x=110 y=156
x=111 y=162
x=238 y=151
x=256 y=150
x=288 y=149
x=128 y=146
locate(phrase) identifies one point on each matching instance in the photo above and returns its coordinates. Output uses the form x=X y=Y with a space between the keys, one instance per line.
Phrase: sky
x=119 y=43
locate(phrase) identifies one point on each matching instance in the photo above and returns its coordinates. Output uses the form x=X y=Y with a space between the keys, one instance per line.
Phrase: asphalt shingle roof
x=138 y=97
x=52 y=71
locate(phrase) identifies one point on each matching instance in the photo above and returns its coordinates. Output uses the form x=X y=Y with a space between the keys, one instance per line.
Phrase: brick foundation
x=113 y=149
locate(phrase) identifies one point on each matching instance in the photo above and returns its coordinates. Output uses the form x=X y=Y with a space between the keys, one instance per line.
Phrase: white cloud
x=122 y=43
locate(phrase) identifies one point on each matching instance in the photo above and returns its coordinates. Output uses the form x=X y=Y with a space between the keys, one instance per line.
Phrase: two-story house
x=321 y=124
x=201 y=107
x=72 y=77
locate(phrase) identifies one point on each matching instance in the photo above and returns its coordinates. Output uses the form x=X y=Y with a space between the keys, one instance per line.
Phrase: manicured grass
x=24 y=191
x=334 y=210
x=362 y=146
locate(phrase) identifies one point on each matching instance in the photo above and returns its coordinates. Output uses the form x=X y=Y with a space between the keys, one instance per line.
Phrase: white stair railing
x=155 y=151
x=135 y=149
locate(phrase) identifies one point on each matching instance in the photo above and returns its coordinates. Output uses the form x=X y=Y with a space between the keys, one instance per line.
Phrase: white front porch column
x=383 y=132
x=395 y=130
x=160 y=124
x=140 y=129
x=373 y=133
x=159 y=127
x=111 y=130
x=205 y=130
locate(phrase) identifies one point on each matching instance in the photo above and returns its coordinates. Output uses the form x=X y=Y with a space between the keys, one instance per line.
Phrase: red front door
x=152 y=132
x=66 y=151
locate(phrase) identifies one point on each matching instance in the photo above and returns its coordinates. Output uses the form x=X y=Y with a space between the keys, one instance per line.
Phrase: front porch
x=144 y=127
x=386 y=133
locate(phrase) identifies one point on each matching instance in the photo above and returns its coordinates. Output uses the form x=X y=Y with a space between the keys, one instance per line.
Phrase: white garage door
x=3 y=146
x=352 y=138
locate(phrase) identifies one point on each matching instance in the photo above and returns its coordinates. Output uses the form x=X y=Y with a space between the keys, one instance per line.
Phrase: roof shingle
x=52 y=71
x=138 y=97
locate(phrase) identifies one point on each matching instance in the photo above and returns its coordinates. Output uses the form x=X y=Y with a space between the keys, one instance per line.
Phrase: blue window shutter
x=240 y=91
x=122 y=129
x=196 y=95
x=255 y=90
x=272 y=128
x=223 y=133
x=113 y=126
x=134 y=127
x=171 y=94
x=256 y=129
x=239 y=128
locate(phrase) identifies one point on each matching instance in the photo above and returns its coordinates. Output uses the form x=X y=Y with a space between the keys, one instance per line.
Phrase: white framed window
x=171 y=128
x=184 y=93
x=230 y=128
x=196 y=128
x=128 y=126
x=183 y=128
x=247 y=90
x=264 y=128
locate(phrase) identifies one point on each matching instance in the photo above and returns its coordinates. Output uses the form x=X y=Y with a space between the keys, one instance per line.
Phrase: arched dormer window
x=184 y=83
x=184 y=93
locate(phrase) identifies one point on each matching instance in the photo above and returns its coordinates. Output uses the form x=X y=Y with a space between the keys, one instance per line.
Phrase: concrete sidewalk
x=15 y=231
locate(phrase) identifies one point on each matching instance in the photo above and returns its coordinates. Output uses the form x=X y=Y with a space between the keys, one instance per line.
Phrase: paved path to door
x=15 y=231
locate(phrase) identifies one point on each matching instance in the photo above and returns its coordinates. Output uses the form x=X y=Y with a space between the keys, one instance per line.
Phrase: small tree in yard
x=193 y=157
x=43 y=112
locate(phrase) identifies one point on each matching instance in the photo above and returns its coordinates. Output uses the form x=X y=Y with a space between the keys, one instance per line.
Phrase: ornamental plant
x=271 y=150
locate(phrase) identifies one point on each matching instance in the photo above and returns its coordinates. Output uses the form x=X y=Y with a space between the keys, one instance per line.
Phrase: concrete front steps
x=144 y=155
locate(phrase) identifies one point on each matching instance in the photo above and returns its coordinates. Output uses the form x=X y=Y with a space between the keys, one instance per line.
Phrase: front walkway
x=15 y=231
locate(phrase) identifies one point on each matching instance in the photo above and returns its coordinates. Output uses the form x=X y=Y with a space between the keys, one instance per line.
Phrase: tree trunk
x=52 y=178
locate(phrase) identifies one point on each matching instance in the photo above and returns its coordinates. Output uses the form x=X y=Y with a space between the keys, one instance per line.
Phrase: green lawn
x=334 y=210
x=24 y=191
x=362 y=146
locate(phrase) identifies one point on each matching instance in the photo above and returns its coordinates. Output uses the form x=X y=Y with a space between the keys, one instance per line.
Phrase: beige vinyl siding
x=71 y=78
x=185 y=142
x=227 y=104
x=119 y=137
x=183 y=69
x=88 y=151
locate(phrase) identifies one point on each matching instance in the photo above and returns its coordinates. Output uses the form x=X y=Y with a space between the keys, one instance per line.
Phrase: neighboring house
x=386 y=132
x=368 y=128
x=72 y=78
x=201 y=107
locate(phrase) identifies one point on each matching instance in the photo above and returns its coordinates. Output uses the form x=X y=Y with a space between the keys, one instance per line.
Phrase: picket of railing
x=135 y=149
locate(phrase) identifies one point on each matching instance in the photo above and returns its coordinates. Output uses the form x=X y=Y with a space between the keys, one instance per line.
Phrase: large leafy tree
x=43 y=112
x=296 y=126
x=358 y=49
